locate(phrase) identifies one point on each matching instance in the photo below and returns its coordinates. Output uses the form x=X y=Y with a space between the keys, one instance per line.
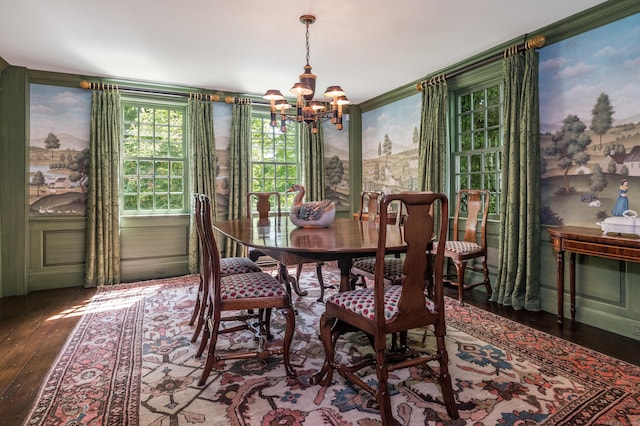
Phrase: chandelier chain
x=307 y=41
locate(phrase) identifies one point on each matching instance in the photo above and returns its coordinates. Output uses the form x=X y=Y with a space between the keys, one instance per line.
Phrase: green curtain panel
x=102 y=251
x=204 y=165
x=518 y=283
x=433 y=137
x=312 y=149
x=239 y=173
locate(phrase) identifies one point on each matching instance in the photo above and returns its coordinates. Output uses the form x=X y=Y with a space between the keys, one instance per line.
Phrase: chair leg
x=460 y=268
x=485 y=273
x=444 y=379
x=288 y=337
x=214 y=325
x=267 y=323
x=196 y=308
x=320 y=280
x=202 y=307
x=205 y=334
x=382 y=395
x=329 y=332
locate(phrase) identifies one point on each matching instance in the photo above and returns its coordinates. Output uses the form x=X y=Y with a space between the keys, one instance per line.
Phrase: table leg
x=289 y=281
x=345 y=273
x=572 y=285
x=560 y=285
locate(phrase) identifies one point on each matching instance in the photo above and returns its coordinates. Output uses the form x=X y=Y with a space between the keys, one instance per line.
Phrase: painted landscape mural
x=58 y=150
x=590 y=124
x=336 y=164
x=390 y=139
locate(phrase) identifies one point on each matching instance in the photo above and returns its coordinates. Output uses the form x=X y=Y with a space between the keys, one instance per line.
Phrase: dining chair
x=263 y=207
x=228 y=266
x=236 y=294
x=365 y=267
x=385 y=309
x=473 y=244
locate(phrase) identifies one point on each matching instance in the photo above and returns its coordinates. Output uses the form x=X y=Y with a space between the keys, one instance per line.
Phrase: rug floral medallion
x=130 y=361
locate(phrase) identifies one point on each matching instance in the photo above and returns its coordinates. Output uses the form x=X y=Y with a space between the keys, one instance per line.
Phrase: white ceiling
x=369 y=47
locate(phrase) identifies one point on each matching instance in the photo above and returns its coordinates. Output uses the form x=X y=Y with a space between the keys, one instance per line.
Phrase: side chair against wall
x=228 y=266
x=386 y=309
x=472 y=246
x=263 y=208
x=233 y=294
x=365 y=267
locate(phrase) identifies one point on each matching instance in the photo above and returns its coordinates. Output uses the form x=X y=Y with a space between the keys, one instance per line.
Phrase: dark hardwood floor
x=34 y=328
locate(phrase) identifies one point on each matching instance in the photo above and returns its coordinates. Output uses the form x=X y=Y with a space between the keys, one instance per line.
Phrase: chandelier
x=310 y=111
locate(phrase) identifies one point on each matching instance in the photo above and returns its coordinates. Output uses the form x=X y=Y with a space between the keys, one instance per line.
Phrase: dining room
x=99 y=166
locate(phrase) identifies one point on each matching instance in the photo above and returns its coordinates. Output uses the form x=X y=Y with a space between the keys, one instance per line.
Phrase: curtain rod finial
x=84 y=84
x=536 y=42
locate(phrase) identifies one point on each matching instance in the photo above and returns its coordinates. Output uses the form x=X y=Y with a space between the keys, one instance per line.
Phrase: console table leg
x=560 y=285
x=572 y=285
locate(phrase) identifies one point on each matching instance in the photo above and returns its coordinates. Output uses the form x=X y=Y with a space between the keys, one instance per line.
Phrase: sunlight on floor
x=107 y=300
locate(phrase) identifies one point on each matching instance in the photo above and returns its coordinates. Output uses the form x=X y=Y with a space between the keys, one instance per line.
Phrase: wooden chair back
x=371 y=200
x=418 y=231
x=263 y=204
x=476 y=204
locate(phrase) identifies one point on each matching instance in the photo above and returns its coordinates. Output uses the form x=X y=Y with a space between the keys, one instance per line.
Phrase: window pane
x=477 y=145
x=274 y=157
x=153 y=159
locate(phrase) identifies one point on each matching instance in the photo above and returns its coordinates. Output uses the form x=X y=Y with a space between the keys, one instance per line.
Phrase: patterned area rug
x=130 y=361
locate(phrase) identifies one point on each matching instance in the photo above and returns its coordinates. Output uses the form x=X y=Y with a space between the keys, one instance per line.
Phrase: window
x=153 y=159
x=477 y=151
x=274 y=158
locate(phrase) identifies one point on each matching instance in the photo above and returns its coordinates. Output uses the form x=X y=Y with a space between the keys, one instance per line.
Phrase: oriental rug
x=130 y=361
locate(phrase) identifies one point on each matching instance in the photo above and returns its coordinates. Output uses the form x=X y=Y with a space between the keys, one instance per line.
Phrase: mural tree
x=52 y=143
x=601 y=116
x=416 y=136
x=386 y=148
x=568 y=147
x=38 y=180
x=334 y=171
x=616 y=148
x=79 y=167
x=597 y=180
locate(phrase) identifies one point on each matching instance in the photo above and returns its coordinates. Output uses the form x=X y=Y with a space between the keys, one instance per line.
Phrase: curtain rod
x=535 y=42
x=89 y=85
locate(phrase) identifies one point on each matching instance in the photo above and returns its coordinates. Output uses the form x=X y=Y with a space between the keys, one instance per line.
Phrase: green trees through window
x=153 y=159
x=275 y=164
x=477 y=146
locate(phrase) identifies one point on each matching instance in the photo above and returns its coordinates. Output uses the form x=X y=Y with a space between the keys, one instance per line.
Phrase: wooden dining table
x=344 y=240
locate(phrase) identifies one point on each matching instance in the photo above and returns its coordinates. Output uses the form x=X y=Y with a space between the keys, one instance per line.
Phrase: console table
x=592 y=242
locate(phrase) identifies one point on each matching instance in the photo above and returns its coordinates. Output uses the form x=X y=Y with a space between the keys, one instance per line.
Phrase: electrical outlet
x=636 y=330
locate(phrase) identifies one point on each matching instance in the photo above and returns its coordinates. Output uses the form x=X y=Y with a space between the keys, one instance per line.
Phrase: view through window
x=477 y=150
x=275 y=164
x=153 y=159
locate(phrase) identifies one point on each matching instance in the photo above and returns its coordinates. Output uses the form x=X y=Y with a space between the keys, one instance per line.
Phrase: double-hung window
x=275 y=158
x=477 y=145
x=154 y=159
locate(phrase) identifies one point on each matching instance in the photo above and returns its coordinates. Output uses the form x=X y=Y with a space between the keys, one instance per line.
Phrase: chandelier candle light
x=310 y=111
